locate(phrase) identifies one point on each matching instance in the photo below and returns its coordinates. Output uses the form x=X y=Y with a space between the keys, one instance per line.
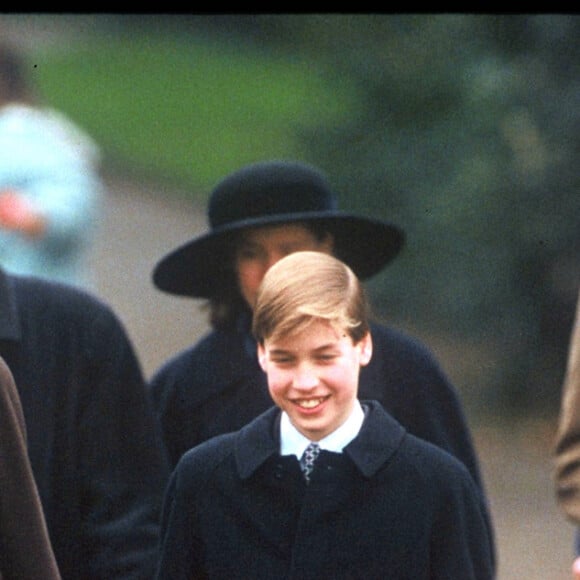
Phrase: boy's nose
x=305 y=378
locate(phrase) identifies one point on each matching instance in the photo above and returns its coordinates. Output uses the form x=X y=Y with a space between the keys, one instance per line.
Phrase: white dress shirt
x=292 y=442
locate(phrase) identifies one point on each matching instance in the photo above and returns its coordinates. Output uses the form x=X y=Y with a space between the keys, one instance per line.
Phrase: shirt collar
x=292 y=442
x=380 y=437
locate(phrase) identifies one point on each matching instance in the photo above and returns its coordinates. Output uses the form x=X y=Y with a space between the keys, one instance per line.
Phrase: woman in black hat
x=257 y=215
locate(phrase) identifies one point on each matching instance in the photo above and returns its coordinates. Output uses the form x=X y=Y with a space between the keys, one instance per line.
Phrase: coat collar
x=378 y=439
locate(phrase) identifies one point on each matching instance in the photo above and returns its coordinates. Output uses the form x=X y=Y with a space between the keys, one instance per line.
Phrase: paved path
x=534 y=540
x=140 y=225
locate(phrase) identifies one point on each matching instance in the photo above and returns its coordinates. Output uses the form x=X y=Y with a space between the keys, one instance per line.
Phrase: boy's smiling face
x=313 y=375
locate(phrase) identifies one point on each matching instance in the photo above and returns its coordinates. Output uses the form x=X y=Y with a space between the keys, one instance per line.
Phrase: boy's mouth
x=310 y=403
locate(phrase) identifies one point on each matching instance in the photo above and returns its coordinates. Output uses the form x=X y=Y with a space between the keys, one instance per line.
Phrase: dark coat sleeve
x=122 y=463
x=25 y=548
x=461 y=545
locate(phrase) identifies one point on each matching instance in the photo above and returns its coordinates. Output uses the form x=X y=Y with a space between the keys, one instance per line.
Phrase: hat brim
x=196 y=268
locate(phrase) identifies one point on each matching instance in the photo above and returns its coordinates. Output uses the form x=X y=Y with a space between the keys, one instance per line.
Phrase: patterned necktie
x=308 y=459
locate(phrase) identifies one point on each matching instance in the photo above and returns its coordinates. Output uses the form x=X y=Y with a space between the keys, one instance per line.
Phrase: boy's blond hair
x=307 y=286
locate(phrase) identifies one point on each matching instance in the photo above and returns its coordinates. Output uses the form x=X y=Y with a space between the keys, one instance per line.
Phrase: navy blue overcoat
x=390 y=506
x=217 y=386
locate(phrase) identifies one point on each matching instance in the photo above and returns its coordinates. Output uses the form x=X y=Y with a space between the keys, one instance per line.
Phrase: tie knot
x=308 y=459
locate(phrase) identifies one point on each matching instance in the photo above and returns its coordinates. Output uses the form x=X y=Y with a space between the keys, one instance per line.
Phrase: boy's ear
x=262 y=356
x=366 y=346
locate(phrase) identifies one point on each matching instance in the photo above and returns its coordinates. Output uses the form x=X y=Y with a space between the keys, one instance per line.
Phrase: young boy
x=378 y=502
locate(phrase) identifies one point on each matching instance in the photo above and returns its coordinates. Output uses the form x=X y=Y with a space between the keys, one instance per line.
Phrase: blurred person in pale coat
x=567 y=448
x=25 y=549
x=50 y=187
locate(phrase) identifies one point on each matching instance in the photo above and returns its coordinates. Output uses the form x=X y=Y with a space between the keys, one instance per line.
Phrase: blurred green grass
x=189 y=110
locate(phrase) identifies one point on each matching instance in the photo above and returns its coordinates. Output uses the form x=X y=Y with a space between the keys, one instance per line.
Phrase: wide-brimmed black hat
x=269 y=193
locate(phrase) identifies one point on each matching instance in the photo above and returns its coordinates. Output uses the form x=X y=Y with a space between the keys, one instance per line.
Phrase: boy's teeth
x=310 y=403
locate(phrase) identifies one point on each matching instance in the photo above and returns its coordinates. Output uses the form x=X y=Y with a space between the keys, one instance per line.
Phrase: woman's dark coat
x=390 y=506
x=217 y=386
x=25 y=549
x=98 y=463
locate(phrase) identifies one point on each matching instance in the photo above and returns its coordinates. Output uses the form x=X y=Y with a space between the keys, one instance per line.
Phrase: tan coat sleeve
x=25 y=549
x=567 y=448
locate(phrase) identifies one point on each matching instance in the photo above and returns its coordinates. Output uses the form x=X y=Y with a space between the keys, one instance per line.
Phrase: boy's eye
x=281 y=359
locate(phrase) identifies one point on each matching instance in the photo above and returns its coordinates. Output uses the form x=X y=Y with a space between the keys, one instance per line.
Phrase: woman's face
x=260 y=248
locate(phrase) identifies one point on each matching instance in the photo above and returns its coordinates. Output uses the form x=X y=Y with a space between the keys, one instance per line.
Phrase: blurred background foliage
x=183 y=108
x=462 y=128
